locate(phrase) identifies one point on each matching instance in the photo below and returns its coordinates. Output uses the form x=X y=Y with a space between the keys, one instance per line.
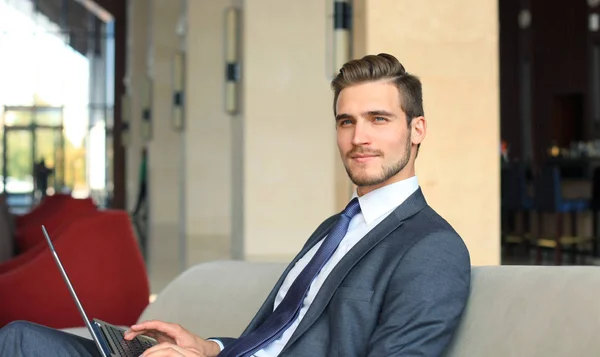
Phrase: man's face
x=375 y=142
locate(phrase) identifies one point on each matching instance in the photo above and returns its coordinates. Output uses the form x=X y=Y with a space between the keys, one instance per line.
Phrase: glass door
x=17 y=170
x=33 y=154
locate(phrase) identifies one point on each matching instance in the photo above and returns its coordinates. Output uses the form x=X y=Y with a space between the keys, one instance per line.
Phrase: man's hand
x=170 y=350
x=171 y=335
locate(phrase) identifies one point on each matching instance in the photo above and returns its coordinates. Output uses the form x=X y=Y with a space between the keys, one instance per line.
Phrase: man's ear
x=418 y=130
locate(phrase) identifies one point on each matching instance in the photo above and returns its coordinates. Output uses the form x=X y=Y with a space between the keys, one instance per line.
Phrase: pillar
x=285 y=155
x=453 y=47
x=166 y=246
x=137 y=42
x=207 y=134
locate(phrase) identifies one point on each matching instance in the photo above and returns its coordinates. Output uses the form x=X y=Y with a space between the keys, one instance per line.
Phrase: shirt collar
x=378 y=202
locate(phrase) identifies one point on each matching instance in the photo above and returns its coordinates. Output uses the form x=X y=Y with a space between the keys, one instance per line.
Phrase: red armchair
x=37 y=234
x=46 y=206
x=55 y=214
x=101 y=256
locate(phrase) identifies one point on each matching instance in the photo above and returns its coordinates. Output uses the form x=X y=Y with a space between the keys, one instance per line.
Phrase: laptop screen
x=71 y=290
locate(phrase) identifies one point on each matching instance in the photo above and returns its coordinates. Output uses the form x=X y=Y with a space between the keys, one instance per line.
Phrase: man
x=386 y=277
x=42 y=173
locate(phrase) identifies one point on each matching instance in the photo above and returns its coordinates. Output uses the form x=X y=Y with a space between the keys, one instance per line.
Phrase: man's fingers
x=159 y=337
x=130 y=335
x=166 y=349
x=148 y=325
x=164 y=327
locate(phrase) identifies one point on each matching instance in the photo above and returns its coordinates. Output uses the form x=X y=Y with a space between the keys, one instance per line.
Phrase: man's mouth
x=363 y=157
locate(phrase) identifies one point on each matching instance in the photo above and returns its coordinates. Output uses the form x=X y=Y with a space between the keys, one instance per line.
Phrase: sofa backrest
x=512 y=311
x=531 y=311
x=216 y=298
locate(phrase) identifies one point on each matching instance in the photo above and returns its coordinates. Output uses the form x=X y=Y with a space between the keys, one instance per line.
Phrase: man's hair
x=384 y=67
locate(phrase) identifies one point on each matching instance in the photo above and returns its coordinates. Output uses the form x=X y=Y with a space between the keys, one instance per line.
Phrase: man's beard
x=387 y=171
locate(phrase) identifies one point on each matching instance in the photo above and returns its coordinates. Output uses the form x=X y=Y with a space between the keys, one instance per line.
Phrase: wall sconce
x=125 y=120
x=524 y=19
x=178 y=117
x=232 y=65
x=146 y=108
x=342 y=36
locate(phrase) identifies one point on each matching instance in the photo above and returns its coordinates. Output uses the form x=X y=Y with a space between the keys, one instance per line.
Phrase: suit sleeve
x=425 y=299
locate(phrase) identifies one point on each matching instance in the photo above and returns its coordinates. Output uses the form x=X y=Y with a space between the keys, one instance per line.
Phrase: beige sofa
x=512 y=311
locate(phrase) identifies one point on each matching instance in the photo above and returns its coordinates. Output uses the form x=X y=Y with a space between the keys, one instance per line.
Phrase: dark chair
x=516 y=201
x=549 y=200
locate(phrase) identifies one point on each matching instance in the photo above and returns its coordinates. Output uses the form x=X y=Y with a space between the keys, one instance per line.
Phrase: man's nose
x=361 y=134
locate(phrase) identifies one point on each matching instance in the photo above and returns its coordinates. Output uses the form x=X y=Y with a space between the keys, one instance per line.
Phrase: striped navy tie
x=287 y=311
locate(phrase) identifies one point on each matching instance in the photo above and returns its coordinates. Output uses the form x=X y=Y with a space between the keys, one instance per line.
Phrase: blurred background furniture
x=517 y=206
x=99 y=251
x=549 y=200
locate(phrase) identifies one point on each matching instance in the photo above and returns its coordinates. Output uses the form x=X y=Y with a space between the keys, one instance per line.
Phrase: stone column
x=285 y=154
x=164 y=149
x=207 y=134
x=137 y=43
x=453 y=47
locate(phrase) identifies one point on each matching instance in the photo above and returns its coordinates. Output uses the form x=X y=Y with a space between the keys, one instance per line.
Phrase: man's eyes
x=350 y=121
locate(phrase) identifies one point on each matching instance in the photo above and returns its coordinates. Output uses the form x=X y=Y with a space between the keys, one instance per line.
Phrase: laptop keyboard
x=133 y=348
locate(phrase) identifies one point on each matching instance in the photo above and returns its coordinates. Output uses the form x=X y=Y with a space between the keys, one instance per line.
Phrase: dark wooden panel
x=510 y=124
x=119 y=179
x=560 y=57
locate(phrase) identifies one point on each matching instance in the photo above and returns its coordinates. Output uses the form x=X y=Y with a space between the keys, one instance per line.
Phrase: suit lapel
x=267 y=308
x=411 y=206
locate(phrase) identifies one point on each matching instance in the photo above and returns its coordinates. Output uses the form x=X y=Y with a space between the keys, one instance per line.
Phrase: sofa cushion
x=531 y=311
x=512 y=310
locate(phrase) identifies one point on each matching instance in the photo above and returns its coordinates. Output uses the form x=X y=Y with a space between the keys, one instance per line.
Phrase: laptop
x=108 y=338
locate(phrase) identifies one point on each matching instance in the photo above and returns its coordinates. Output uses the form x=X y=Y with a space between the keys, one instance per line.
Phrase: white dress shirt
x=375 y=207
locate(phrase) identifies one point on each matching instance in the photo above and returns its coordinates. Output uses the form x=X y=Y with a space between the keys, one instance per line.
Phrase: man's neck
x=363 y=190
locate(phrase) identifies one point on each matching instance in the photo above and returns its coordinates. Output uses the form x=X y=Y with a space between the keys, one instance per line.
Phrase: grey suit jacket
x=400 y=291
